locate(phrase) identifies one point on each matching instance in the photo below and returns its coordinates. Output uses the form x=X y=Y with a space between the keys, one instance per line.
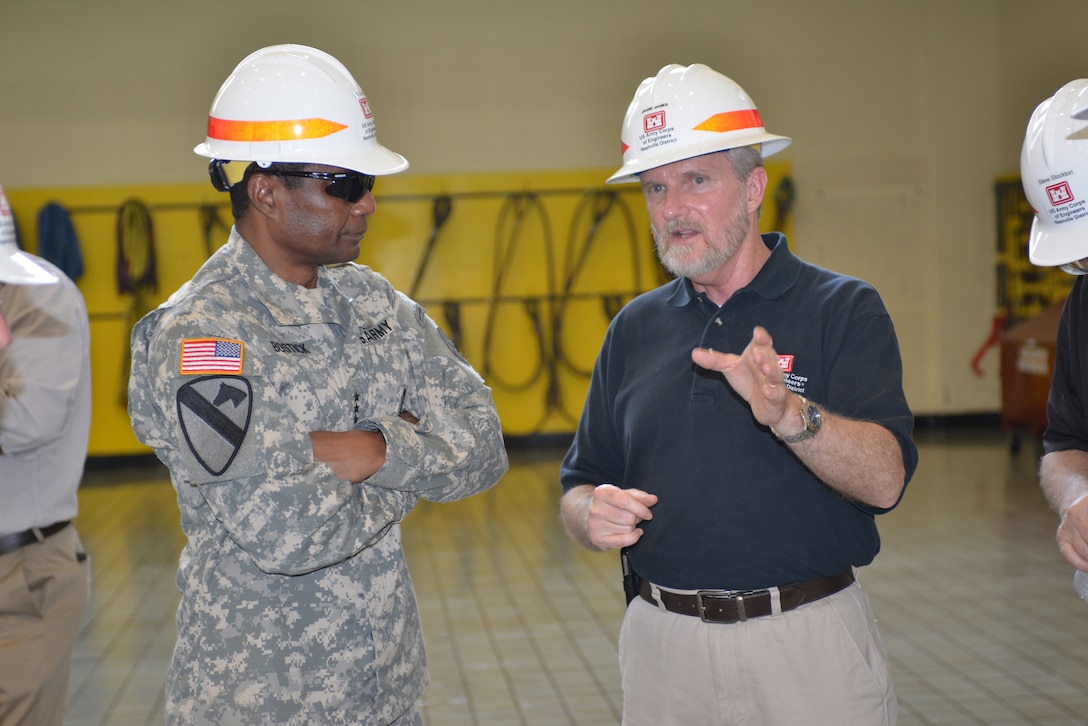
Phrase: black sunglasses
x=350 y=186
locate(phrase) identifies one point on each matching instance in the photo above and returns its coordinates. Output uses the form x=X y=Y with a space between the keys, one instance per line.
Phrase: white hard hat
x=17 y=267
x=686 y=112
x=296 y=104
x=1054 y=173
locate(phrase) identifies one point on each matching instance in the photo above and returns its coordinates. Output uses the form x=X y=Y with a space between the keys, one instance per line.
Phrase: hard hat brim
x=769 y=144
x=18 y=268
x=1050 y=246
x=376 y=161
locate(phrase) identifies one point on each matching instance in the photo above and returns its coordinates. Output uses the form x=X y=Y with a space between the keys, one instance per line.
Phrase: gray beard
x=684 y=263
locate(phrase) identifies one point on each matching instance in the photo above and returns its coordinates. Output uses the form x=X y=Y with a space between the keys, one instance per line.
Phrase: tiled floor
x=976 y=606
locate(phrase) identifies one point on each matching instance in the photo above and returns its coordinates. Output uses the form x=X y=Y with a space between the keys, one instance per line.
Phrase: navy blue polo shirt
x=736 y=509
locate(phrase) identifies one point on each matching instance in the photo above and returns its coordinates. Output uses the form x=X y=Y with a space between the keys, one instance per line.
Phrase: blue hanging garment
x=57 y=240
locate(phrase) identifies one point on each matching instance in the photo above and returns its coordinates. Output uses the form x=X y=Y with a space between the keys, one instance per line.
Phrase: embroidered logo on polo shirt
x=794 y=382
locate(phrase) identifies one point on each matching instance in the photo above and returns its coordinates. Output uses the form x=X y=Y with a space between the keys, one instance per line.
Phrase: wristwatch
x=810 y=421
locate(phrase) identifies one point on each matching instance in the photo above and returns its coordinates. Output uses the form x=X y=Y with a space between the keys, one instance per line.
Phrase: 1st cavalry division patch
x=214 y=413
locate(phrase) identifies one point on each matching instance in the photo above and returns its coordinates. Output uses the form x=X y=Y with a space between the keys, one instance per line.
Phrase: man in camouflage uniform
x=303 y=406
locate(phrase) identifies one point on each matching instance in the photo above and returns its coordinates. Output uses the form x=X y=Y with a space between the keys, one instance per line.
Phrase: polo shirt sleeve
x=865 y=380
x=595 y=455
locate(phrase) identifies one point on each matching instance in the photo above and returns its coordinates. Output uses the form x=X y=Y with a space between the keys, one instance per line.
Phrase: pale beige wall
x=1042 y=46
x=902 y=112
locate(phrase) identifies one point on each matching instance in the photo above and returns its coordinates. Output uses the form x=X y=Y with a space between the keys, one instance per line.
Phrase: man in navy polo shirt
x=744 y=425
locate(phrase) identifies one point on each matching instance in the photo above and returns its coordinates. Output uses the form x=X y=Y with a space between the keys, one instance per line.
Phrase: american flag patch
x=211 y=355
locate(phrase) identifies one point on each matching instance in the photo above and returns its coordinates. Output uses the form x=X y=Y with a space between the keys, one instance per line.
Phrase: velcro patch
x=211 y=355
x=214 y=414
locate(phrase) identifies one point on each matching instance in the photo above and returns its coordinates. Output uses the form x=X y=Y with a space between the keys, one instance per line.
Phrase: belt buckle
x=736 y=596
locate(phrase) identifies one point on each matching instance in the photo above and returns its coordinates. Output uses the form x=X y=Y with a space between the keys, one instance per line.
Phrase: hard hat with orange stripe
x=685 y=112
x=296 y=104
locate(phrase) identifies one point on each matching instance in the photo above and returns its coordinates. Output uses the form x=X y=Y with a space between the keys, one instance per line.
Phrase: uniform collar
x=288 y=303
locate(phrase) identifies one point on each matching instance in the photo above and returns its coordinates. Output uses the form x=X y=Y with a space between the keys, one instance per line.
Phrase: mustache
x=673 y=226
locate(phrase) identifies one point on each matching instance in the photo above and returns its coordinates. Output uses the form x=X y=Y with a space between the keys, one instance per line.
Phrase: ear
x=756 y=186
x=262 y=193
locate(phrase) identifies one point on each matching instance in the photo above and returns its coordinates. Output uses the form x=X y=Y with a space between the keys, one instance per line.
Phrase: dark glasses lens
x=350 y=186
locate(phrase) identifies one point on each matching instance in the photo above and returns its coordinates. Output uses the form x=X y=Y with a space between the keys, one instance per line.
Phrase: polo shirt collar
x=777 y=275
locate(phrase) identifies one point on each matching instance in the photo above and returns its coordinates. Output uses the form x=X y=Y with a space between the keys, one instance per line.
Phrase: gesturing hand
x=754 y=374
x=614 y=514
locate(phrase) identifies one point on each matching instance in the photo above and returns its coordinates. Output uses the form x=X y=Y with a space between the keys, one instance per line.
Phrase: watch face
x=810 y=420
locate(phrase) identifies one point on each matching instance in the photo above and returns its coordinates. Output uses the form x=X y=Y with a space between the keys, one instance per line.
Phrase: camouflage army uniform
x=297 y=606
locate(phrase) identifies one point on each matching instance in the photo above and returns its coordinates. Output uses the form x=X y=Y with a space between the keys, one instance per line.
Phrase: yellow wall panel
x=524 y=271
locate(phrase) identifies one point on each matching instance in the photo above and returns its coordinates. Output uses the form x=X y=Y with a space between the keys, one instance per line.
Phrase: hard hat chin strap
x=224 y=175
x=1076 y=267
x=218 y=175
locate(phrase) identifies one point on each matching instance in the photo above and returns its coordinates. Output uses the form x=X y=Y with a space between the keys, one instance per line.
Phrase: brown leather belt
x=12 y=542
x=736 y=606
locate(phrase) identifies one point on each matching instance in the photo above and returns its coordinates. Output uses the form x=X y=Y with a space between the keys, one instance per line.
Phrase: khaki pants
x=823 y=663
x=43 y=592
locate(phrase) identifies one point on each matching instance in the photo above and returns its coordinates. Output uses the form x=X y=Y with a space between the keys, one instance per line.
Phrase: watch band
x=810 y=423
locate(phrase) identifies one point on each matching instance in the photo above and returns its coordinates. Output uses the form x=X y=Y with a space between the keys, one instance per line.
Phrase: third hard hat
x=1054 y=173
x=17 y=267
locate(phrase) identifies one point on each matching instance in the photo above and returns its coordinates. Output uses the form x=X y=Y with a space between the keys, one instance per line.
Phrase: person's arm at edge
x=1063 y=476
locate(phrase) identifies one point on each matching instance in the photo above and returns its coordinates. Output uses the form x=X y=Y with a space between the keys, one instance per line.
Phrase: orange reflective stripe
x=731 y=121
x=306 y=128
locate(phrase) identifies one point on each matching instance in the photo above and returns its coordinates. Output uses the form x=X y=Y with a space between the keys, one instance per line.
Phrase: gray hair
x=744 y=160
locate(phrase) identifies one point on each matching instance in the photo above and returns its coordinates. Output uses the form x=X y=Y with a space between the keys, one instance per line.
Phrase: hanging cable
x=597 y=205
x=135 y=249
x=451 y=309
x=210 y=224
x=441 y=208
x=785 y=194
x=516 y=207
x=136 y=273
x=612 y=304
